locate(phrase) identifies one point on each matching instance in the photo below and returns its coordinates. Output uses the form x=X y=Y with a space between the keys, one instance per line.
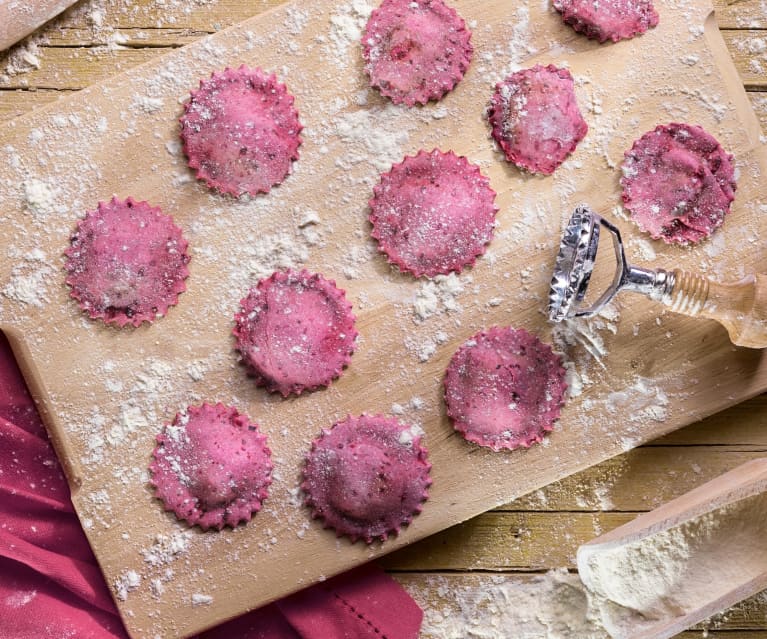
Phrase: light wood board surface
x=596 y=430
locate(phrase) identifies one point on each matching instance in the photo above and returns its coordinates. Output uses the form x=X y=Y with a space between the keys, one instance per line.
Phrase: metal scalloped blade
x=574 y=264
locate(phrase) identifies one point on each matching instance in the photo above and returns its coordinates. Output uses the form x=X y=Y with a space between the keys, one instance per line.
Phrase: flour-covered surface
x=639 y=372
x=553 y=605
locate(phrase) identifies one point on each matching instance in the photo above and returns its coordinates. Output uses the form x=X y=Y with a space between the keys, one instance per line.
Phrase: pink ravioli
x=678 y=183
x=504 y=389
x=366 y=477
x=415 y=50
x=608 y=19
x=295 y=332
x=536 y=119
x=211 y=467
x=126 y=262
x=241 y=131
x=433 y=213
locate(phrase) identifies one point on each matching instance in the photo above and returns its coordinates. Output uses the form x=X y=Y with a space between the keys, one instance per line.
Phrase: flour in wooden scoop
x=679 y=570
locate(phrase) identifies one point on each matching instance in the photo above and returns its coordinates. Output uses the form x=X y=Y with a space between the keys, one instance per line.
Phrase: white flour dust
x=676 y=571
x=549 y=606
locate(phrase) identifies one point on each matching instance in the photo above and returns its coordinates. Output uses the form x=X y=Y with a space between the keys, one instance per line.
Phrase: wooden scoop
x=677 y=565
x=20 y=18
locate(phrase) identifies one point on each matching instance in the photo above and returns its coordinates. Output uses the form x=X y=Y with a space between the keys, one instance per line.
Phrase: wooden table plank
x=498 y=541
x=741 y=14
x=745 y=423
x=639 y=480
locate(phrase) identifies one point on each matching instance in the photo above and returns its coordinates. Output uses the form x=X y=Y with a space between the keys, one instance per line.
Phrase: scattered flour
x=423 y=348
x=125 y=583
x=644 y=400
x=643 y=248
x=29 y=279
x=356 y=257
x=281 y=250
x=438 y=295
x=407 y=436
x=587 y=334
x=22 y=58
x=296 y=20
x=166 y=548
x=40 y=198
x=377 y=136
x=20 y=598
x=549 y=606
x=147 y=104
x=199 y=599
x=346 y=26
x=520 y=44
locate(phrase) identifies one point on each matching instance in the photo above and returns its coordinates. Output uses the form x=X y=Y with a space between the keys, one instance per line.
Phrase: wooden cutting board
x=636 y=374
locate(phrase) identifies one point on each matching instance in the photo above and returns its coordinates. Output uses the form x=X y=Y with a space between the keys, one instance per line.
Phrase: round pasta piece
x=608 y=19
x=415 y=50
x=126 y=263
x=366 y=477
x=240 y=131
x=678 y=183
x=211 y=467
x=295 y=332
x=504 y=389
x=433 y=213
x=535 y=118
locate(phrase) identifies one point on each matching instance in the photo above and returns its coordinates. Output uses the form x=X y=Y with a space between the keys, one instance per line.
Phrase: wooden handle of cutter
x=741 y=307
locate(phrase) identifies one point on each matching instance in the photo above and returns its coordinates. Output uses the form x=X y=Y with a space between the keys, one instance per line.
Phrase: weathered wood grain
x=641 y=479
x=507 y=541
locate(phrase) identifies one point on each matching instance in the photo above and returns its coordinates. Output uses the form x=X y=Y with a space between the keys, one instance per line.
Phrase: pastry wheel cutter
x=741 y=307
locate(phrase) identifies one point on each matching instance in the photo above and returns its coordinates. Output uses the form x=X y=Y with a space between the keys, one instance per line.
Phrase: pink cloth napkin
x=51 y=586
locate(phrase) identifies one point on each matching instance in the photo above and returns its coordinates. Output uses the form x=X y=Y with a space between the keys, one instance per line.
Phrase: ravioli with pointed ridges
x=240 y=131
x=366 y=477
x=504 y=389
x=295 y=332
x=126 y=263
x=433 y=213
x=211 y=467
x=415 y=50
